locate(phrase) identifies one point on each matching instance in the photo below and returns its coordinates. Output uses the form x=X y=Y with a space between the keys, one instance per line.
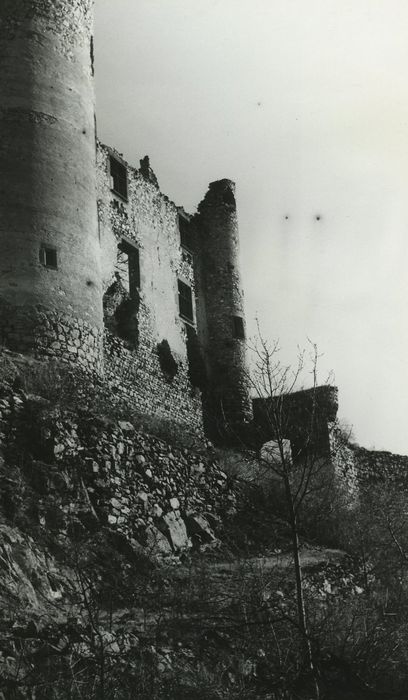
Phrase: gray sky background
x=305 y=106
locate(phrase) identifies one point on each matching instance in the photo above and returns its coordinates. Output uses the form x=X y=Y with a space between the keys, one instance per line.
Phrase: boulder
x=126 y=426
x=199 y=529
x=176 y=531
x=157 y=543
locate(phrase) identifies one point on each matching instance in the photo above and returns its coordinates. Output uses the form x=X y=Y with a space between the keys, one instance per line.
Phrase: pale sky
x=304 y=104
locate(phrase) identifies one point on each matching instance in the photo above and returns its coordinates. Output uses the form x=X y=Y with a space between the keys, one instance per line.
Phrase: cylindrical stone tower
x=220 y=311
x=50 y=282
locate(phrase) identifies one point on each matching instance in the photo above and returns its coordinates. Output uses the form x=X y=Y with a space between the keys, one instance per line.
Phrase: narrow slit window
x=185 y=302
x=48 y=257
x=128 y=267
x=238 y=327
x=118 y=174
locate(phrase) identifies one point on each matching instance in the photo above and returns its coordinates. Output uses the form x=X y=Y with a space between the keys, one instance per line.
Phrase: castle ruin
x=100 y=270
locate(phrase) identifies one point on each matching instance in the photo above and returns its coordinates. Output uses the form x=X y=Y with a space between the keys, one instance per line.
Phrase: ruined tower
x=50 y=286
x=56 y=227
x=220 y=310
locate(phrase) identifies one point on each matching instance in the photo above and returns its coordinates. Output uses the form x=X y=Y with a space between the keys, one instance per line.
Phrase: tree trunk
x=300 y=600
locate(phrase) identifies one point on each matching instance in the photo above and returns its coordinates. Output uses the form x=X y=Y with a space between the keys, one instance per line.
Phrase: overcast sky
x=305 y=106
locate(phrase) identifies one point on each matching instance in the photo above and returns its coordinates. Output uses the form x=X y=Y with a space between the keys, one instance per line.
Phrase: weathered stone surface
x=228 y=404
x=176 y=531
x=157 y=511
x=157 y=543
x=25 y=571
x=199 y=528
x=375 y=466
x=126 y=427
x=39 y=119
x=87 y=472
x=149 y=221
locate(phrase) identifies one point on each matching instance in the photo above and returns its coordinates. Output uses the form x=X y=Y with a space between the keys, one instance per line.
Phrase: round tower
x=220 y=311
x=50 y=282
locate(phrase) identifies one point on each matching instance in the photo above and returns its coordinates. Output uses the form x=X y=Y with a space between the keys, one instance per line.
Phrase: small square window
x=238 y=327
x=48 y=257
x=185 y=302
x=118 y=175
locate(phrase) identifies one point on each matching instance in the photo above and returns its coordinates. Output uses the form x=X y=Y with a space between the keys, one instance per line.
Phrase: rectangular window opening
x=128 y=267
x=185 y=233
x=48 y=257
x=238 y=327
x=118 y=175
x=185 y=302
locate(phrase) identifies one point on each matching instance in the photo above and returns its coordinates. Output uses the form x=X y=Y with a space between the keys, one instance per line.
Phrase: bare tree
x=301 y=470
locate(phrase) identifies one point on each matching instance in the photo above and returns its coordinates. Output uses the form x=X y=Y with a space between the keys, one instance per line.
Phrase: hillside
x=133 y=565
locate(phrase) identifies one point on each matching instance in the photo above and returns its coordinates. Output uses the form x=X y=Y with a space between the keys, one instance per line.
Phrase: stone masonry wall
x=375 y=467
x=221 y=309
x=72 y=470
x=70 y=19
x=345 y=467
x=50 y=285
x=55 y=336
x=148 y=221
x=309 y=417
x=304 y=417
x=62 y=223
x=138 y=377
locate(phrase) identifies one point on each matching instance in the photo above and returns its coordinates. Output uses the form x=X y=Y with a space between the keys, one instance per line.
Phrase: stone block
x=157 y=543
x=199 y=529
x=126 y=426
x=176 y=531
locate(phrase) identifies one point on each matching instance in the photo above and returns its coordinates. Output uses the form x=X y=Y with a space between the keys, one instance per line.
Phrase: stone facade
x=50 y=256
x=147 y=221
x=98 y=268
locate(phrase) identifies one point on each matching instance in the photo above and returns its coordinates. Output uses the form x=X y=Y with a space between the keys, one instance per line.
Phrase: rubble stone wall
x=375 y=466
x=52 y=335
x=81 y=471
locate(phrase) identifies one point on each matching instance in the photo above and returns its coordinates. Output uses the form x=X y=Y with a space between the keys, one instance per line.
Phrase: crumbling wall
x=148 y=220
x=304 y=417
x=220 y=306
x=63 y=221
x=308 y=419
x=70 y=470
x=375 y=466
x=345 y=465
